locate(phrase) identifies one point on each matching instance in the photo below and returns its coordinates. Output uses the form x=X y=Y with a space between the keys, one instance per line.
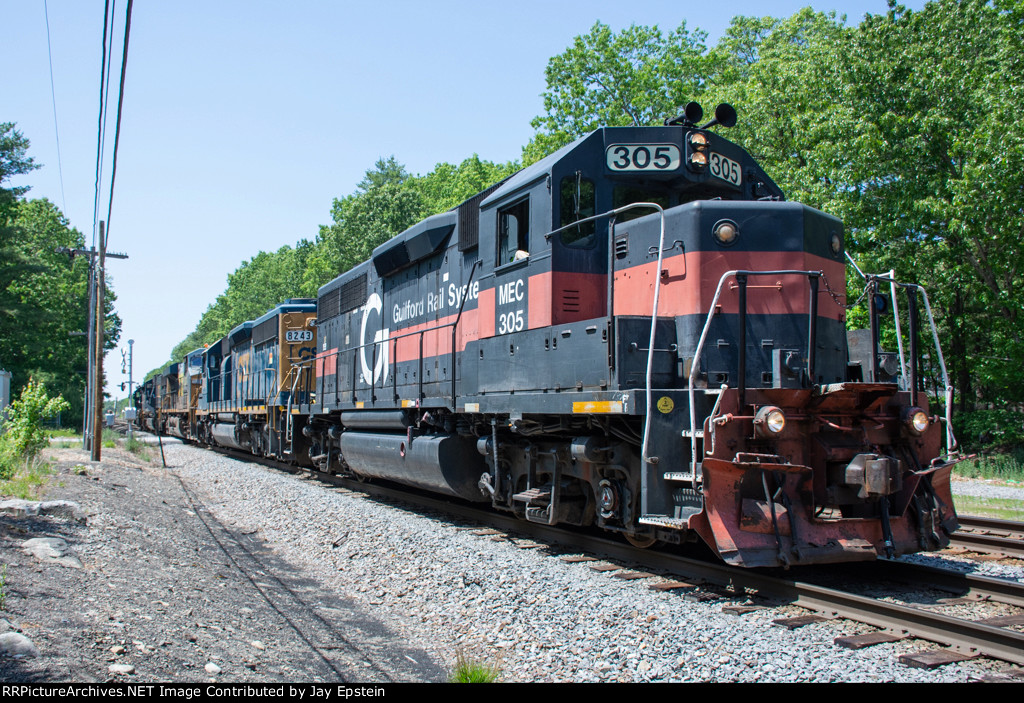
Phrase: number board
x=298 y=336
x=725 y=168
x=643 y=157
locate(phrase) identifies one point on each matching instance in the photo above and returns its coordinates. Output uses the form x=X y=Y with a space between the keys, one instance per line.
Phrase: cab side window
x=514 y=232
x=576 y=202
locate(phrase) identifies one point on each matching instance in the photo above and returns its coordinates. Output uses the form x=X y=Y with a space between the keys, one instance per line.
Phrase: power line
x=53 y=96
x=99 y=125
x=120 y=102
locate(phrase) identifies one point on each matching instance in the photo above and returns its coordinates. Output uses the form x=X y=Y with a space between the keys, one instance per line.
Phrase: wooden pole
x=97 y=440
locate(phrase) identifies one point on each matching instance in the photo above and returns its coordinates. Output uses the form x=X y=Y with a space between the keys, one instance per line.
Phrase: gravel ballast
x=395 y=585
x=540 y=618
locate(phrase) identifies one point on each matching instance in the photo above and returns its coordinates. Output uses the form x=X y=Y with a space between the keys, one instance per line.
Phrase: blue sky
x=243 y=120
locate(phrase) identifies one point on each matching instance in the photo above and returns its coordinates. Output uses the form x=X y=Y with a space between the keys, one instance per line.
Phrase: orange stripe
x=485 y=308
x=690 y=279
x=539 y=304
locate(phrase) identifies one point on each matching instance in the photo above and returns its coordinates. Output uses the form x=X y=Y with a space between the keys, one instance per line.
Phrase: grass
x=28 y=479
x=139 y=449
x=1007 y=466
x=1001 y=508
x=66 y=432
x=468 y=670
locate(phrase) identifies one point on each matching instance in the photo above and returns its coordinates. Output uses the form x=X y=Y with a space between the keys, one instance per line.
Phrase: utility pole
x=129 y=415
x=92 y=424
x=97 y=426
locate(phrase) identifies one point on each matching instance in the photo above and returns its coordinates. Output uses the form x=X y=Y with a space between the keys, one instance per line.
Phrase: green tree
x=49 y=301
x=385 y=203
x=935 y=182
x=448 y=185
x=13 y=161
x=634 y=77
x=255 y=287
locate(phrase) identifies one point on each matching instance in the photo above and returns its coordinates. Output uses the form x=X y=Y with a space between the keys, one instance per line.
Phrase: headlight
x=916 y=420
x=769 y=421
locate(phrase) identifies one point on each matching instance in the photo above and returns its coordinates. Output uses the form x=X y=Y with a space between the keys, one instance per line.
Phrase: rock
x=212 y=668
x=19 y=507
x=45 y=547
x=17 y=645
x=258 y=645
x=51 y=549
x=64 y=509
x=121 y=669
x=117 y=649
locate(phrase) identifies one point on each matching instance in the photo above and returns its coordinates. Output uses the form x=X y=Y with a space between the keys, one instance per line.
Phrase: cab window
x=514 y=232
x=576 y=200
x=625 y=195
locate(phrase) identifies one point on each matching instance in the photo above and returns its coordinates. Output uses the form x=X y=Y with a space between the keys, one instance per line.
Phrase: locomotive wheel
x=641 y=541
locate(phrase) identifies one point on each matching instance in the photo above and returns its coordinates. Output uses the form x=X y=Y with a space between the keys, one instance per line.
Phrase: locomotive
x=636 y=333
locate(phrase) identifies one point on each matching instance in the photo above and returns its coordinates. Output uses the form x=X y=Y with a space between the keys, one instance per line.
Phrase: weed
x=140 y=449
x=65 y=434
x=469 y=670
x=80 y=470
x=27 y=479
x=1002 y=508
x=1006 y=466
x=23 y=429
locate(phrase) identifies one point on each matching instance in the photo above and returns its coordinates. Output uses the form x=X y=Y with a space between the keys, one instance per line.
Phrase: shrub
x=989 y=429
x=23 y=427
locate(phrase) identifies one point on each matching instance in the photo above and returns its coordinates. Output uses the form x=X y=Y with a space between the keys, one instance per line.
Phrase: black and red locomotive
x=637 y=333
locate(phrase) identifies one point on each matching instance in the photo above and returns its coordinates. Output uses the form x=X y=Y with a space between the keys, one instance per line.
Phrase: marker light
x=725 y=232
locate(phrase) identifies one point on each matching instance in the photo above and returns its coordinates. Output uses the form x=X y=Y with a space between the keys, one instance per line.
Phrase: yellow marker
x=598 y=406
x=665 y=404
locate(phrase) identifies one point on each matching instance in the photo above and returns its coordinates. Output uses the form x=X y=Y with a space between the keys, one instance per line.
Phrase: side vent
x=353 y=294
x=622 y=246
x=266 y=330
x=348 y=296
x=570 y=301
x=469 y=219
x=329 y=305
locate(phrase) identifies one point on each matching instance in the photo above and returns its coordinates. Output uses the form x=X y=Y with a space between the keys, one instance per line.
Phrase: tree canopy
x=906 y=125
x=44 y=299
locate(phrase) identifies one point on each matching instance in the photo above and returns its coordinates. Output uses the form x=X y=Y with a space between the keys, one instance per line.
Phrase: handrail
x=695 y=364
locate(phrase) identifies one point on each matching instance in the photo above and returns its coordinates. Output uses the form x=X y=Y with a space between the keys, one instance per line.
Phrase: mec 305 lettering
x=511 y=293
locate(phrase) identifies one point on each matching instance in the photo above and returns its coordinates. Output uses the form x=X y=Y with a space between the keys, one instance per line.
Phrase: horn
x=691 y=115
x=725 y=115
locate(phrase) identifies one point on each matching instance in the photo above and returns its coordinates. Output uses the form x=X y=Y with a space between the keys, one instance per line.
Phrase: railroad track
x=991 y=536
x=964 y=638
x=960 y=637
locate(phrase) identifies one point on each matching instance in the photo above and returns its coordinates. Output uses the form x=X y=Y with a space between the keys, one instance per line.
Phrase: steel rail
x=1008 y=541
x=965 y=636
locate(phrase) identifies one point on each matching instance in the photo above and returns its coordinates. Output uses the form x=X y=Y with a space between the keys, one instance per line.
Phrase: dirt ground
x=166 y=593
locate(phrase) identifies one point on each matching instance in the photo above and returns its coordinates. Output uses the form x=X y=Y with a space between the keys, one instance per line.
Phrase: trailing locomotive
x=637 y=333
